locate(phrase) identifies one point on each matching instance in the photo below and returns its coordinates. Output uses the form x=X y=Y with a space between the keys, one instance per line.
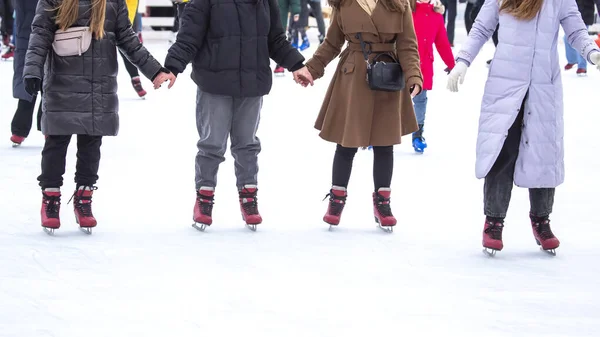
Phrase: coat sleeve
x=280 y=49
x=43 y=28
x=194 y=25
x=483 y=28
x=443 y=45
x=329 y=49
x=575 y=29
x=408 y=51
x=129 y=43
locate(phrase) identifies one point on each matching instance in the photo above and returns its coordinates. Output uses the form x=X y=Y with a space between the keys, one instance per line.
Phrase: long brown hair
x=521 y=9
x=68 y=12
x=390 y=5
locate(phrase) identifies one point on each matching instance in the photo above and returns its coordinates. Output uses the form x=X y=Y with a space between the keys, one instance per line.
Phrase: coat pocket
x=347 y=68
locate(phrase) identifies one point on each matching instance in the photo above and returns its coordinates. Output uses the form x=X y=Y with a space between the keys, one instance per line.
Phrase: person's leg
x=23 y=118
x=175 y=28
x=318 y=13
x=495 y=36
x=383 y=166
x=214 y=114
x=451 y=20
x=88 y=160
x=420 y=106
x=342 y=165
x=467 y=18
x=542 y=201
x=581 y=62
x=499 y=181
x=53 y=161
x=245 y=145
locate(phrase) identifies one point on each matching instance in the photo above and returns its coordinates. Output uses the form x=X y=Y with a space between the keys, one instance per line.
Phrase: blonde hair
x=521 y=9
x=68 y=12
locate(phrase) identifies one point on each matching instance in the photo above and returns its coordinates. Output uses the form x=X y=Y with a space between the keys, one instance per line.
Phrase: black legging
x=450 y=17
x=317 y=13
x=131 y=69
x=6 y=12
x=383 y=165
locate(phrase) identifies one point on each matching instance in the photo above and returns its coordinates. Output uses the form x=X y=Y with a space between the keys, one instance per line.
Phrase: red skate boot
x=16 y=140
x=9 y=54
x=249 y=206
x=50 y=209
x=82 y=205
x=492 y=235
x=279 y=71
x=203 y=208
x=337 y=201
x=543 y=234
x=382 y=209
x=137 y=86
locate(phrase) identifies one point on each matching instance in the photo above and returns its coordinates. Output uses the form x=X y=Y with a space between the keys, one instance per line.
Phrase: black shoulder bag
x=382 y=76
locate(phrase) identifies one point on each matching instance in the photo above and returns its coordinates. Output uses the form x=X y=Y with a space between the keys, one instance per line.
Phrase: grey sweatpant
x=217 y=118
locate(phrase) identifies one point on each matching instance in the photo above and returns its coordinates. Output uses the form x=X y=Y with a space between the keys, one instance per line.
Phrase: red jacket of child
x=430 y=29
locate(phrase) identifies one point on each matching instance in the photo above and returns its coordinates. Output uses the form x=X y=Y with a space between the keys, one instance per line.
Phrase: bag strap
x=363 y=45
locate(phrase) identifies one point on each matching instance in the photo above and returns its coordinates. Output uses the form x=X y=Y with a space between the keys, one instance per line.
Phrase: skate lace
x=336 y=203
x=494 y=230
x=543 y=229
x=52 y=205
x=251 y=205
x=206 y=203
x=383 y=205
x=83 y=204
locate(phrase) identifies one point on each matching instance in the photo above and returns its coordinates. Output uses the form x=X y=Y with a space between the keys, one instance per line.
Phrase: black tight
x=383 y=165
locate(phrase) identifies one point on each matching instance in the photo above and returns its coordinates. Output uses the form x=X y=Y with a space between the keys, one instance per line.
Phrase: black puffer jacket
x=230 y=43
x=80 y=92
x=587 y=10
x=25 y=11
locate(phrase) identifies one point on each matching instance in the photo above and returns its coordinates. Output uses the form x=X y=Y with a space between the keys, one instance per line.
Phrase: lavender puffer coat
x=526 y=60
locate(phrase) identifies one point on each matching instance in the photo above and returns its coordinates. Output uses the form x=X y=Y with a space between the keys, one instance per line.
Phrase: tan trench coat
x=352 y=114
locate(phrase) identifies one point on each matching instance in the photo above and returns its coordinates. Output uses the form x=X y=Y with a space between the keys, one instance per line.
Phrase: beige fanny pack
x=73 y=41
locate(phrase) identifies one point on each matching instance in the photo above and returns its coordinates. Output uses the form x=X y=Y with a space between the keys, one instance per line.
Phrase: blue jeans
x=573 y=57
x=420 y=106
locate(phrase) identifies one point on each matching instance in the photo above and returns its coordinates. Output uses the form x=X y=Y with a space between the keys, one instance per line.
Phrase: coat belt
x=373 y=47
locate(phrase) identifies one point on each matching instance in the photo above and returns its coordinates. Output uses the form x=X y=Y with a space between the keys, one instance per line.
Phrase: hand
x=296 y=17
x=163 y=77
x=457 y=74
x=32 y=85
x=595 y=58
x=415 y=90
x=303 y=77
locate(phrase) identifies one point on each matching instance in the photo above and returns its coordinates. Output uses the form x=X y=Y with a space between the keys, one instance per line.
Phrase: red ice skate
x=17 y=140
x=492 y=235
x=82 y=204
x=203 y=208
x=279 y=71
x=543 y=234
x=249 y=206
x=50 y=209
x=382 y=209
x=337 y=201
x=569 y=66
x=137 y=86
x=9 y=54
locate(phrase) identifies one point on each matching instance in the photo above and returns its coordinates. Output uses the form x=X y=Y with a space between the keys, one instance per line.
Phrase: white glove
x=595 y=58
x=458 y=73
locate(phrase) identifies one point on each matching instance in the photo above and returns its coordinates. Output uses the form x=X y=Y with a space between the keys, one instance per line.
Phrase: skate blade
x=549 y=251
x=200 y=226
x=332 y=227
x=16 y=144
x=387 y=229
x=490 y=252
x=86 y=230
x=252 y=227
x=49 y=231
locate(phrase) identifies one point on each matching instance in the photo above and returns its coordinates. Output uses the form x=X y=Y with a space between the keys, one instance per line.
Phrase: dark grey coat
x=25 y=11
x=80 y=92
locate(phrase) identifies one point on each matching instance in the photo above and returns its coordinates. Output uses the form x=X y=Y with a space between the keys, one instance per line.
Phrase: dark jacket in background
x=80 y=92
x=25 y=11
x=229 y=43
x=587 y=10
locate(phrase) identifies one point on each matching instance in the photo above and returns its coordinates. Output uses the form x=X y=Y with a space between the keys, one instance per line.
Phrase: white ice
x=146 y=272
